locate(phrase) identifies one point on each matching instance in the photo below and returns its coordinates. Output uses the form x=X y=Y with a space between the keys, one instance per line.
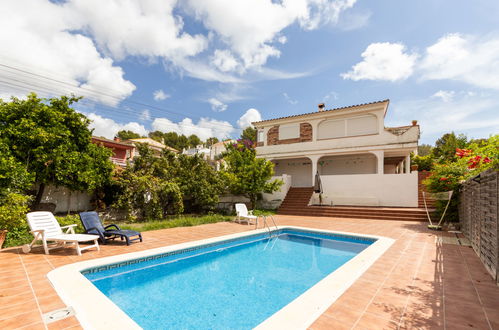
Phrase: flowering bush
x=477 y=157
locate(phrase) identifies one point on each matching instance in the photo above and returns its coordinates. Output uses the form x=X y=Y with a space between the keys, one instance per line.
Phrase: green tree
x=248 y=175
x=127 y=135
x=194 y=140
x=211 y=141
x=157 y=136
x=200 y=184
x=445 y=147
x=249 y=133
x=176 y=141
x=53 y=143
x=147 y=188
x=14 y=177
x=424 y=149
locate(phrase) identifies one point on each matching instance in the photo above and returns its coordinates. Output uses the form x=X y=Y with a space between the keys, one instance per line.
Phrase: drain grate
x=58 y=314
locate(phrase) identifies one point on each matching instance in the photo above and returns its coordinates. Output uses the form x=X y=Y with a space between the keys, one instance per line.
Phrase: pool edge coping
x=94 y=310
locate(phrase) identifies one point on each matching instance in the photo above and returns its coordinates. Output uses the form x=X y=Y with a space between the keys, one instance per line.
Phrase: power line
x=126 y=112
x=119 y=99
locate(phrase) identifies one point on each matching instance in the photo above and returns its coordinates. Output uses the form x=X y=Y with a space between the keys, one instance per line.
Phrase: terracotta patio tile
x=327 y=323
x=388 y=306
x=11 y=310
x=21 y=320
x=345 y=314
x=63 y=324
x=459 y=314
x=369 y=321
x=50 y=303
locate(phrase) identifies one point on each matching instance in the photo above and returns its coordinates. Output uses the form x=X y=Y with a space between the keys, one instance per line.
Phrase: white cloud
x=145 y=115
x=39 y=42
x=463 y=58
x=352 y=21
x=217 y=105
x=289 y=99
x=108 y=128
x=136 y=28
x=251 y=115
x=205 y=127
x=159 y=95
x=383 y=61
x=470 y=113
x=224 y=61
x=250 y=28
x=445 y=96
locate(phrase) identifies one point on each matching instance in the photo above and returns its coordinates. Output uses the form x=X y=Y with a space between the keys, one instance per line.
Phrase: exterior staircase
x=297 y=199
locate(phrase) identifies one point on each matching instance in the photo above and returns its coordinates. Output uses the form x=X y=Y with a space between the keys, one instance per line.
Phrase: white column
x=380 y=156
x=408 y=164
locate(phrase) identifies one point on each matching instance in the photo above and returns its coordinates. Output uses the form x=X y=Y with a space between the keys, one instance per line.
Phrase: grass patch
x=181 y=221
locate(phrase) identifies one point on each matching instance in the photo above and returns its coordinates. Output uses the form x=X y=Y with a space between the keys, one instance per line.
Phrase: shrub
x=425 y=163
x=13 y=209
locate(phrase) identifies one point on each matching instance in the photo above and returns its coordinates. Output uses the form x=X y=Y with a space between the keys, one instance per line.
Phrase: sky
x=211 y=67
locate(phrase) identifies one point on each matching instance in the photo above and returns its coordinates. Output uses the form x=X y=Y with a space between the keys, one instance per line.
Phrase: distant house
x=360 y=161
x=199 y=150
x=122 y=151
x=156 y=146
x=218 y=148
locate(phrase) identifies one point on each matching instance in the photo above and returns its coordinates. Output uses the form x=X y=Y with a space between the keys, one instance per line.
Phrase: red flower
x=443 y=179
x=463 y=152
x=486 y=160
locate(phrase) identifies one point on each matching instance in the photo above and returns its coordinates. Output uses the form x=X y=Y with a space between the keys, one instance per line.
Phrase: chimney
x=117 y=139
x=321 y=107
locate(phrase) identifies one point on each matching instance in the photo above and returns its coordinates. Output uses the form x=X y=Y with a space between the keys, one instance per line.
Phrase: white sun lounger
x=45 y=228
x=242 y=214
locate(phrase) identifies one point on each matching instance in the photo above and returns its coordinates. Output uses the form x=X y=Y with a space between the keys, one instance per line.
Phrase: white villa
x=360 y=161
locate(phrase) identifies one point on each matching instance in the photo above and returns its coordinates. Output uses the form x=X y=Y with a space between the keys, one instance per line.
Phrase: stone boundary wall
x=479 y=218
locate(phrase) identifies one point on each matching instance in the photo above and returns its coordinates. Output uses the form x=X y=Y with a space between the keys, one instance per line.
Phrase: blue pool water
x=229 y=285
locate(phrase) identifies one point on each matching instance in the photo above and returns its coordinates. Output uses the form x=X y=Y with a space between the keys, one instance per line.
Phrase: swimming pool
x=240 y=281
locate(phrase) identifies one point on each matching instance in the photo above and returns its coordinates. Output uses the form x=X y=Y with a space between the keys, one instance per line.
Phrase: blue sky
x=210 y=67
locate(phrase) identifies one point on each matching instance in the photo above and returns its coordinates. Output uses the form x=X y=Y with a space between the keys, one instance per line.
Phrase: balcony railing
x=119 y=161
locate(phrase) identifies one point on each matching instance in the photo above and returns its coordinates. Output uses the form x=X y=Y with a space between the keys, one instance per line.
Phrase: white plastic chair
x=242 y=214
x=45 y=228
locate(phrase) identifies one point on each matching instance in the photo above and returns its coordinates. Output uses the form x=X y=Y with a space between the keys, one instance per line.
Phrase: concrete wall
x=66 y=200
x=274 y=200
x=299 y=168
x=371 y=189
x=348 y=164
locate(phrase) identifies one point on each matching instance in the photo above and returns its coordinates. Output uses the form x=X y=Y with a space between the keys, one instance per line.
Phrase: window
x=259 y=137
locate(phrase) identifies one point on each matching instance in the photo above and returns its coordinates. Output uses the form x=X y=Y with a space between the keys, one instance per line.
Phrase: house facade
x=360 y=161
x=122 y=151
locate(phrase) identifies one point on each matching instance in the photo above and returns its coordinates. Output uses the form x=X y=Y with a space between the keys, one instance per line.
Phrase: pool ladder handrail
x=266 y=225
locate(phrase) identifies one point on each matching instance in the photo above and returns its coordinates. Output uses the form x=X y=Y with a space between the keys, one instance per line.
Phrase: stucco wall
x=350 y=164
x=300 y=169
x=66 y=200
x=371 y=189
x=274 y=200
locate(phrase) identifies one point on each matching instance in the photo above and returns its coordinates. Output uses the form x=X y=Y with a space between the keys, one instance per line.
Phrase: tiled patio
x=419 y=283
